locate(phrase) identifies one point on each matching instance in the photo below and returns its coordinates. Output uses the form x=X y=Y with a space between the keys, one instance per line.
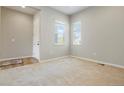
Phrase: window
x=76 y=33
x=59 y=33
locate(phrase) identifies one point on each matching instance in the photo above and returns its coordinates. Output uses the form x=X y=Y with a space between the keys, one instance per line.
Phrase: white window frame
x=55 y=31
x=73 y=25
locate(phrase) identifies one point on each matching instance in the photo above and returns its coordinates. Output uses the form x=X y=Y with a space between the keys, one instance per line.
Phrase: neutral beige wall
x=47 y=47
x=102 y=34
x=17 y=31
x=17 y=34
x=0 y=36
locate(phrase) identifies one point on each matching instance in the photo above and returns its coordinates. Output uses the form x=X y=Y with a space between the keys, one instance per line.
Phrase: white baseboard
x=81 y=58
x=97 y=61
x=53 y=59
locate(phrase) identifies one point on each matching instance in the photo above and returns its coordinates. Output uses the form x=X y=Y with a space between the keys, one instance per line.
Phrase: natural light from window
x=76 y=33
x=59 y=33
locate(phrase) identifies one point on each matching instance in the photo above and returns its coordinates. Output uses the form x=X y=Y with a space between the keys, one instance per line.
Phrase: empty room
x=61 y=45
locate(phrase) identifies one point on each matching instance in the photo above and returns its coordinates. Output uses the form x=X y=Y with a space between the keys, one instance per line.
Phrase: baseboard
x=81 y=58
x=97 y=61
x=53 y=59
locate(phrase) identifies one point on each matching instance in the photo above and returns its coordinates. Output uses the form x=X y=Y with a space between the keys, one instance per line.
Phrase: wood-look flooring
x=63 y=72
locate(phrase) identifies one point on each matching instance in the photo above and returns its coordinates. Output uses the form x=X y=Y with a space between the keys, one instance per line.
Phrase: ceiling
x=28 y=9
x=69 y=10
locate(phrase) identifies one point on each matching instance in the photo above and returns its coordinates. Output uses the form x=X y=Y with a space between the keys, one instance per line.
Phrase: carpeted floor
x=67 y=71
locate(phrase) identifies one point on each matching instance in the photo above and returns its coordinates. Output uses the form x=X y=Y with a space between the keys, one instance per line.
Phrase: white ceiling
x=69 y=10
x=28 y=9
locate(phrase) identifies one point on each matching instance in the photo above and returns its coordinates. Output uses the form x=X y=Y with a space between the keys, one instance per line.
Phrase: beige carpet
x=67 y=71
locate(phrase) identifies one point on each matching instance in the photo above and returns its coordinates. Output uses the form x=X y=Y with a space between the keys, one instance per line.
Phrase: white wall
x=102 y=34
x=36 y=35
x=17 y=31
x=47 y=47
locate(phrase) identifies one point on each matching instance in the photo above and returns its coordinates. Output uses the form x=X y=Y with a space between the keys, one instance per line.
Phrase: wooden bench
x=17 y=62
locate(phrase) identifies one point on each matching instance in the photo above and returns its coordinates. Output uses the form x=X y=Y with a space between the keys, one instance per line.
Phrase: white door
x=36 y=36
